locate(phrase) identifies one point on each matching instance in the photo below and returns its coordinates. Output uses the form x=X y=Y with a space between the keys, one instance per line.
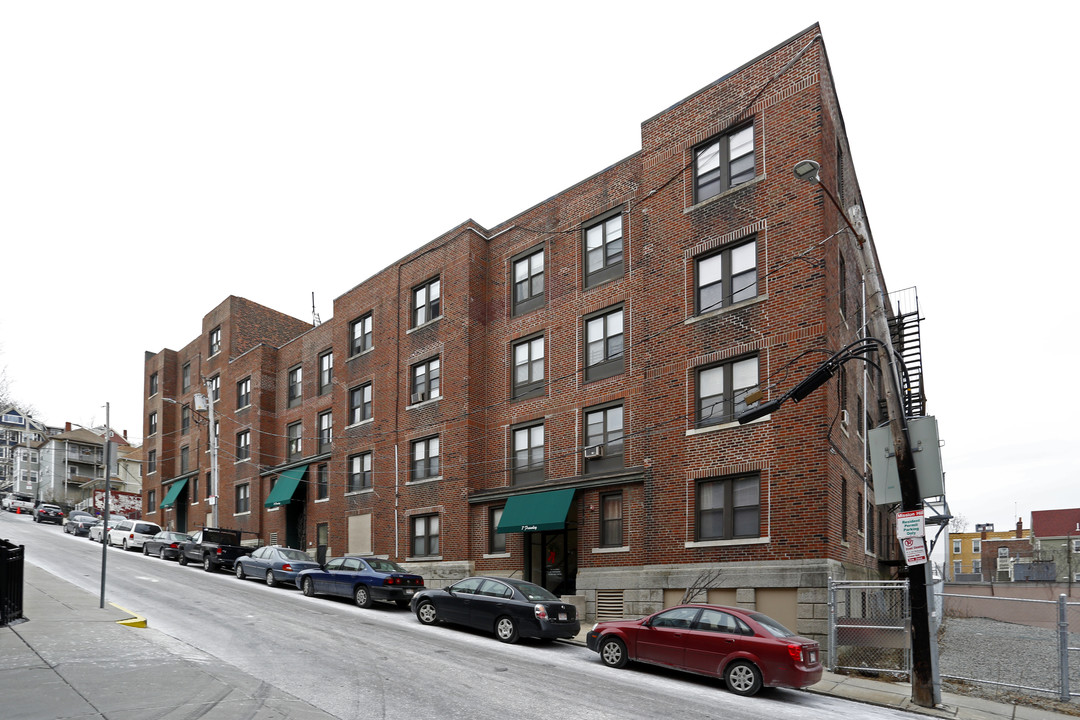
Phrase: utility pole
x=105 y=514
x=213 y=457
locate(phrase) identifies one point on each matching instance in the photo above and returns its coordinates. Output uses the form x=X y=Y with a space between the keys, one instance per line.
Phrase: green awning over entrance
x=285 y=487
x=174 y=492
x=536 y=512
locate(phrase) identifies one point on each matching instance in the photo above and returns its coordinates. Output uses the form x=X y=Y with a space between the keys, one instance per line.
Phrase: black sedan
x=166 y=545
x=78 y=523
x=362 y=579
x=507 y=607
x=274 y=564
x=48 y=513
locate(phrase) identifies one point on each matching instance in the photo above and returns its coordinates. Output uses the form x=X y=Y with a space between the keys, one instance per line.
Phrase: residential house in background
x=18 y=456
x=72 y=465
x=1057 y=540
x=556 y=397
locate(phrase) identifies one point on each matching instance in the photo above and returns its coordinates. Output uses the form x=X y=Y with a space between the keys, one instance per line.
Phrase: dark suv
x=48 y=513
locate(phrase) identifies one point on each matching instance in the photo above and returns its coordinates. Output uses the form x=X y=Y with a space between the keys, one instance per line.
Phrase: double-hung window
x=151 y=462
x=152 y=425
x=728 y=508
x=215 y=341
x=528 y=369
x=360 y=338
x=611 y=520
x=184 y=459
x=604 y=439
x=296 y=385
x=359 y=476
x=360 y=404
x=185 y=377
x=322 y=482
x=215 y=388
x=243 y=498
x=528 y=282
x=425 y=535
x=426 y=302
x=722 y=390
x=326 y=372
x=293 y=441
x=727 y=277
x=604 y=345
x=243 y=393
x=497 y=540
x=425 y=458
x=185 y=418
x=425 y=380
x=326 y=431
x=153 y=384
x=603 y=250
x=243 y=445
x=528 y=448
x=723 y=163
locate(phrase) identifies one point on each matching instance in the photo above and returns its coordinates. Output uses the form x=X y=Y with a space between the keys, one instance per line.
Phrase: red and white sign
x=914 y=550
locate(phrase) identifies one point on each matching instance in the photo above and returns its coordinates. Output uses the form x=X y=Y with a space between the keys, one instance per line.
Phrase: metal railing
x=11 y=582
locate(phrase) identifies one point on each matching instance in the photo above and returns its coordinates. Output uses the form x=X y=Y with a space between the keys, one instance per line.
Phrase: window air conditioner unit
x=594 y=451
x=844 y=417
x=419 y=397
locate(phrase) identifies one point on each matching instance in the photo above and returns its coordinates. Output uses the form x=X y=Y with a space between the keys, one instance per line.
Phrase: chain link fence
x=869 y=626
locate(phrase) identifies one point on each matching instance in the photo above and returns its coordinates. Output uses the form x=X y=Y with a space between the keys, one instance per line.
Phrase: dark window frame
x=326 y=430
x=432 y=380
x=152 y=421
x=322 y=482
x=613 y=361
x=214 y=343
x=213 y=385
x=185 y=418
x=243 y=445
x=429 y=466
x=496 y=540
x=733 y=398
x=243 y=393
x=185 y=459
x=326 y=372
x=714 y=182
x=612 y=267
x=733 y=285
x=728 y=510
x=612 y=528
x=153 y=384
x=610 y=460
x=242 y=496
x=294 y=441
x=424 y=541
x=532 y=387
x=430 y=309
x=529 y=471
x=359 y=477
x=361 y=410
x=295 y=385
x=528 y=293
x=151 y=462
x=185 y=377
x=364 y=341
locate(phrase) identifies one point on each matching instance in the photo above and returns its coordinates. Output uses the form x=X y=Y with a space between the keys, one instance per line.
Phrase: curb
x=136 y=621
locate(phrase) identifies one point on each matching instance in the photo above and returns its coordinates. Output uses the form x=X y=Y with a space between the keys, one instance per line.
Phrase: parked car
x=363 y=579
x=274 y=565
x=131 y=534
x=508 y=607
x=748 y=649
x=17 y=502
x=48 y=513
x=213 y=548
x=78 y=522
x=166 y=545
x=98 y=528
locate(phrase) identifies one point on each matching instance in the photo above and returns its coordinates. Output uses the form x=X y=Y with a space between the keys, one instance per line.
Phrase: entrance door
x=181 y=507
x=552 y=560
x=295 y=525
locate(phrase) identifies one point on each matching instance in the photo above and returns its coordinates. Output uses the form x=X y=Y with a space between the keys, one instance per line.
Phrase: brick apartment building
x=554 y=397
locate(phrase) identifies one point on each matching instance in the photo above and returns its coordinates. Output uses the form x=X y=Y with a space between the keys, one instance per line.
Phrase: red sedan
x=747 y=649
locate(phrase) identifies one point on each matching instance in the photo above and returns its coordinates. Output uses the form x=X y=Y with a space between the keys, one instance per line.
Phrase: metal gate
x=869 y=626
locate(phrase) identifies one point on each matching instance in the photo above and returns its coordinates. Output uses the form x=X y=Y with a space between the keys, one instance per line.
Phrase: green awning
x=535 y=512
x=174 y=492
x=285 y=487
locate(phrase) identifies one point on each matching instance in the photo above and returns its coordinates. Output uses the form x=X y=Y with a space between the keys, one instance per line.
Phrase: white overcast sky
x=158 y=157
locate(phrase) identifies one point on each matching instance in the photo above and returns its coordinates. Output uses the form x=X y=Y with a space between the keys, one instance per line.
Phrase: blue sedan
x=274 y=564
x=363 y=579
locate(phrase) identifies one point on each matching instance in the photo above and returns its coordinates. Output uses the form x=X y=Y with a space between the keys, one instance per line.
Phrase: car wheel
x=362 y=596
x=613 y=652
x=270 y=581
x=240 y=571
x=207 y=564
x=182 y=559
x=426 y=613
x=126 y=548
x=308 y=587
x=742 y=678
x=506 y=630
x=146 y=551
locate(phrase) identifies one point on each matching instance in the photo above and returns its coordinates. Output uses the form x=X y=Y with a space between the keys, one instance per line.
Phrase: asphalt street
x=380 y=662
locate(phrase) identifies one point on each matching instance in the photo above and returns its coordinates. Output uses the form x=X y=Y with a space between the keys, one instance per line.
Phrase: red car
x=747 y=649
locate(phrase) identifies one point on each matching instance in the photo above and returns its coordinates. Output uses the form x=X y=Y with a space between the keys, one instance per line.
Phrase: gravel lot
x=983 y=649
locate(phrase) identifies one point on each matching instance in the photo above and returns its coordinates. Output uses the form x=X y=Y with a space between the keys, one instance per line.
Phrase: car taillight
x=392 y=581
x=286 y=567
x=795 y=651
x=541 y=612
x=172 y=545
x=218 y=551
x=131 y=536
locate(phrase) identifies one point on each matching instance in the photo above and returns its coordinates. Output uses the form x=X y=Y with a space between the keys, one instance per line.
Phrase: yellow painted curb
x=137 y=621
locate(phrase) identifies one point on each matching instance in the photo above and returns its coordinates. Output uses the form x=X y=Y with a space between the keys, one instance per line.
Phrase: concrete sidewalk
x=71 y=659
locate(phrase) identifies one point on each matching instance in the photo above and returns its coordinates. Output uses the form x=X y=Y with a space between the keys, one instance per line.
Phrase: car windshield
x=178 y=537
x=771 y=625
x=531 y=592
x=385 y=566
x=292 y=554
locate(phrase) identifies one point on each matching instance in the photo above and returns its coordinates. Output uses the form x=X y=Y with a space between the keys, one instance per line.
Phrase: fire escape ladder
x=904 y=327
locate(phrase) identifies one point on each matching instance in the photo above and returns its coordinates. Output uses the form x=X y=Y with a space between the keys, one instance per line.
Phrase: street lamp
x=925 y=690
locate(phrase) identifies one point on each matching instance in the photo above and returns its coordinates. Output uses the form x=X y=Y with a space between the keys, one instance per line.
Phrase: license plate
x=409 y=592
x=813 y=656
x=562 y=616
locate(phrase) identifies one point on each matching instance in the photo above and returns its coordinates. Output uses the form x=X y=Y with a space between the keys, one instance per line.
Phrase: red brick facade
x=630 y=338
